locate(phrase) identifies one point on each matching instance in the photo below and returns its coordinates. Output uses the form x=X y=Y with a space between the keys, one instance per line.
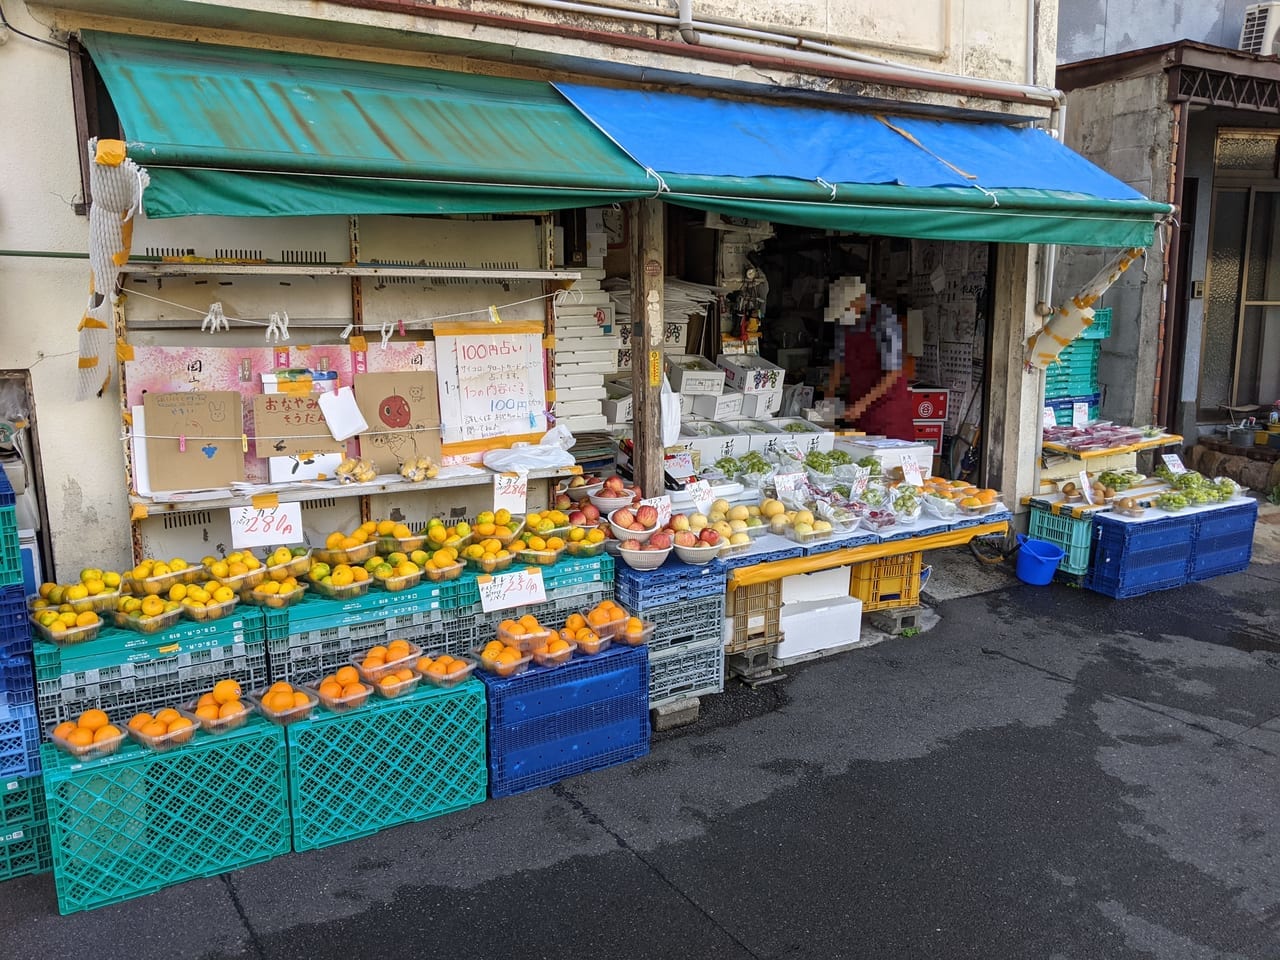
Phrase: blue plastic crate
x=753 y=559
x=1130 y=559
x=1223 y=541
x=1235 y=519
x=859 y=539
x=1100 y=329
x=17 y=681
x=541 y=692
x=13 y=616
x=7 y=498
x=925 y=528
x=571 y=745
x=19 y=741
x=10 y=547
x=638 y=590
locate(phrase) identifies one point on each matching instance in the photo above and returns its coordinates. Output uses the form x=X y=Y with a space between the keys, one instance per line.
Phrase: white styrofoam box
x=579 y=394
x=580 y=366
x=889 y=452
x=584 y=422
x=811 y=437
x=566 y=378
x=827 y=585
x=618 y=407
x=594 y=219
x=760 y=436
x=818 y=625
x=689 y=373
x=750 y=374
x=686 y=405
x=711 y=440
x=717 y=408
x=593 y=355
x=566 y=409
x=760 y=405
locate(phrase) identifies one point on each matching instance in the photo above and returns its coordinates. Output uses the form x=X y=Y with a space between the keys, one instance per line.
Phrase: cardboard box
x=812 y=627
x=930 y=432
x=928 y=403
x=826 y=585
x=710 y=441
x=759 y=406
x=760 y=436
x=813 y=437
x=723 y=407
x=751 y=374
x=693 y=374
x=889 y=452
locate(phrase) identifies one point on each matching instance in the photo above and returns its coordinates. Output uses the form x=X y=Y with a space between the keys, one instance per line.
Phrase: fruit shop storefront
x=303 y=604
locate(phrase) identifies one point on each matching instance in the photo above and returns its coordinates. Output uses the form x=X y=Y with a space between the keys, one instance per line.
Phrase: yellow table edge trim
x=766 y=572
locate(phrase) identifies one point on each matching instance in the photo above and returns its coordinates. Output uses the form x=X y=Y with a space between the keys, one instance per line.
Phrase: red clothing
x=891 y=414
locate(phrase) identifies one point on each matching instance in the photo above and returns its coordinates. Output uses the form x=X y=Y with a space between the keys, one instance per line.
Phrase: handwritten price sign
x=516 y=589
x=911 y=472
x=266 y=527
x=510 y=492
x=1173 y=462
x=702 y=496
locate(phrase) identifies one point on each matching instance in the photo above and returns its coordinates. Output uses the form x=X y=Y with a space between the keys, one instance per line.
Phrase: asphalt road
x=1045 y=774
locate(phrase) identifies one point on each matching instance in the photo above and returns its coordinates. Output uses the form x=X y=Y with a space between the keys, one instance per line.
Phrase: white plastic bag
x=670 y=415
x=551 y=452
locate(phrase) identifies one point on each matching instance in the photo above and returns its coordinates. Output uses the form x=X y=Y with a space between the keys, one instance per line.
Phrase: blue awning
x=863 y=172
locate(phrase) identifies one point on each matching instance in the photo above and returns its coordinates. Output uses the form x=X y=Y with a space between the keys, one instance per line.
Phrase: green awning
x=238 y=132
x=867 y=173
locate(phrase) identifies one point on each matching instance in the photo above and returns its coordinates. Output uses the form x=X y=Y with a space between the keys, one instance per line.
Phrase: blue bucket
x=1037 y=560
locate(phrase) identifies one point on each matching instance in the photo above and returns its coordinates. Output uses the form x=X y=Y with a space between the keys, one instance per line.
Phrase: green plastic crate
x=10 y=547
x=138 y=821
x=24 y=849
x=1100 y=329
x=1075 y=536
x=124 y=684
x=394 y=761
x=573 y=571
x=21 y=802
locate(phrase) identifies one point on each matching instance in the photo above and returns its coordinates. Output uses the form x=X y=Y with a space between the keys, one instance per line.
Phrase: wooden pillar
x=646 y=342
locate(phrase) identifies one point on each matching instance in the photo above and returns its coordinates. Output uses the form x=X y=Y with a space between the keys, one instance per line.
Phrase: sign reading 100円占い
x=491 y=386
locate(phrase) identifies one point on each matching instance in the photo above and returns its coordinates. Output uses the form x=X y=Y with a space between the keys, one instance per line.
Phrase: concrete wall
x=1127 y=129
x=1096 y=28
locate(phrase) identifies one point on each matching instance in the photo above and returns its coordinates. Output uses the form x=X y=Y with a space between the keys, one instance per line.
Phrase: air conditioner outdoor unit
x=1261 y=31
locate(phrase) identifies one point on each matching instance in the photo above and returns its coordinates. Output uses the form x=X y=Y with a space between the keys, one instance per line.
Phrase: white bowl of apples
x=579 y=488
x=698 y=548
x=639 y=524
x=649 y=555
x=614 y=494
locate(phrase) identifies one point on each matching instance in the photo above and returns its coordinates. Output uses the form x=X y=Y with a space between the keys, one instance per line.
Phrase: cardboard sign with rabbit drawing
x=194 y=439
x=403 y=413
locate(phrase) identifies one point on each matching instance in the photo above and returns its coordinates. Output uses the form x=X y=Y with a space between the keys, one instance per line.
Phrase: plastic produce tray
x=559 y=604
x=10 y=547
x=638 y=590
x=140 y=821
x=1063 y=407
x=1100 y=329
x=574 y=571
x=686 y=671
x=395 y=761
x=19 y=741
x=1130 y=559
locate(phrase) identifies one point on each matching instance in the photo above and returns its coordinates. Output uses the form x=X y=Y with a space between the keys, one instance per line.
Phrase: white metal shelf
x=303 y=493
x=205 y=268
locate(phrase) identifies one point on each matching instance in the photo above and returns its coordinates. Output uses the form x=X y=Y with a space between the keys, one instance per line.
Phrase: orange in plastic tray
x=443 y=670
x=383 y=659
x=342 y=690
x=502 y=659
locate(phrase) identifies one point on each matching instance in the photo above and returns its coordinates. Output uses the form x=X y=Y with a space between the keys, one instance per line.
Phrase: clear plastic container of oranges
x=90 y=735
x=53 y=626
x=397 y=684
x=606 y=618
x=554 y=652
x=524 y=634
x=221 y=709
x=166 y=729
x=283 y=703
x=589 y=642
x=635 y=632
x=443 y=670
x=376 y=662
x=502 y=658
x=342 y=690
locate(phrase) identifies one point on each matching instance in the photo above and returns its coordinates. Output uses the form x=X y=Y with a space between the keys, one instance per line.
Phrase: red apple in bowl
x=660 y=541
x=613 y=486
x=563 y=501
x=578 y=518
x=624 y=518
x=631 y=545
x=685 y=538
x=591 y=511
x=709 y=536
x=679 y=522
x=647 y=516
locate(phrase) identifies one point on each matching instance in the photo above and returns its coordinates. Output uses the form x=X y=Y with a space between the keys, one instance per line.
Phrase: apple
x=578 y=482
x=686 y=538
x=652 y=546
x=630 y=545
x=709 y=536
x=647 y=516
x=592 y=512
x=578 y=518
x=660 y=541
x=563 y=501
x=623 y=518
x=679 y=522
x=613 y=486
x=697 y=522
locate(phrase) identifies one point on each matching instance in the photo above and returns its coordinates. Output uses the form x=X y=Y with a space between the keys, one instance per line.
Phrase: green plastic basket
x=10 y=547
x=138 y=821
x=21 y=802
x=1100 y=329
x=395 y=761
x=1072 y=535
x=24 y=849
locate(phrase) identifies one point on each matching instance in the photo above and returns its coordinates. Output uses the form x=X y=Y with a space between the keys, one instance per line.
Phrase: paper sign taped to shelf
x=911 y=472
x=1079 y=413
x=510 y=492
x=289 y=426
x=662 y=505
x=193 y=439
x=403 y=413
x=515 y=589
x=702 y=496
x=492 y=385
x=787 y=484
x=680 y=465
x=1086 y=487
x=266 y=527
x=1173 y=462
x=1048 y=419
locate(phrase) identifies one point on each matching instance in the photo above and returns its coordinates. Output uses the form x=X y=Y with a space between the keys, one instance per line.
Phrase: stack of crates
x=887 y=583
x=1133 y=558
x=574 y=585
x=686 y=603
x=24 y=827
x=550 y=723
x=1073 y=377
x=1073 y=534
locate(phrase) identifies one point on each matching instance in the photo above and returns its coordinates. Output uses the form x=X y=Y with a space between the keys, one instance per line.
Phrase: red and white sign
x=928 y=403
x=929 y=431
